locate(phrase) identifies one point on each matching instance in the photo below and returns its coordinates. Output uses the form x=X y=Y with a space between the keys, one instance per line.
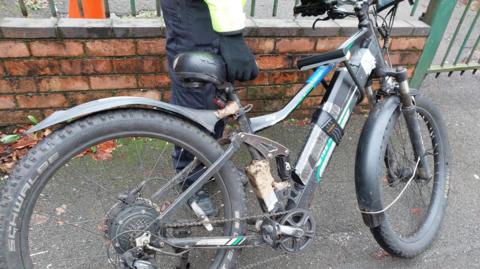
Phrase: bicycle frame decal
x=326 y=154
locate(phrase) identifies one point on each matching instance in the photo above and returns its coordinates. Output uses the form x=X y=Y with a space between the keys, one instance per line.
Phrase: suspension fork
x=409 y=111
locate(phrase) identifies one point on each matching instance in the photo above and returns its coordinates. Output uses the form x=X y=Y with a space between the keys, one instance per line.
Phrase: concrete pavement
x=344 y=242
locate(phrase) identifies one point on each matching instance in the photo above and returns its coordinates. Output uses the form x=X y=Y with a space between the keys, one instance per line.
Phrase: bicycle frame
x=363 y=58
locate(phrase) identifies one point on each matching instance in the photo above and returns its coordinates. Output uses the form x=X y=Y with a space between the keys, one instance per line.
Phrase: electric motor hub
x=126 y=222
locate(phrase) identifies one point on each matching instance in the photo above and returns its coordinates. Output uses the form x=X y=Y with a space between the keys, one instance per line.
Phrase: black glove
x=311 y=8
x=240 y=61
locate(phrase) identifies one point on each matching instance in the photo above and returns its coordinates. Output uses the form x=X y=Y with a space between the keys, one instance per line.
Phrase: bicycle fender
x=366 y=176
x=204 y=118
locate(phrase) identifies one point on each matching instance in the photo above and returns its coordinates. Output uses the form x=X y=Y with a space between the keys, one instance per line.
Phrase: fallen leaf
x=416 y=211
x=379 y=254
x=38 y=219
x=26 y=141
x=61 y=209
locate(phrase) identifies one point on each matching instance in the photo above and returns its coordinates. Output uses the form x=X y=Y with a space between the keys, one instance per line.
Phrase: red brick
x=311 y=102
x=287 y=77
x=97 y=66
x=276 y=91
x=41 y=100
x=404 y=57
x=166 y=96
x=153 y=65
x=71 y=67
x=151 y=46
x=261 y=45
x=329 y=43
x=121 y=66
x=152 y=94
x=7 y=102
x=153 y=81
x=295 y=45
x=267 y=92
x=18 y=116
x=165 y=64
x=63 y=48
x=17 y=85
x=77 y=98
x=10 y=49
x=301 y=114
x=2 y=70
x=262 y=79
x=63 y=84
x=32 y=68
x=137 y=65
x=273 y=105
x=408 y=43
x=257 y=105
x=110 y=47
x=241 y=93
x=268 y=62
x=113 y=82
x=294 y=89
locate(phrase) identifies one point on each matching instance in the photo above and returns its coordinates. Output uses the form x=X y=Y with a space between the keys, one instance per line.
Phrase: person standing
x=213 y=26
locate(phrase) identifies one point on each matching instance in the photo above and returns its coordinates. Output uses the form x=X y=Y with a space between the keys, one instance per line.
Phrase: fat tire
x=383 y=232
x=34 y=170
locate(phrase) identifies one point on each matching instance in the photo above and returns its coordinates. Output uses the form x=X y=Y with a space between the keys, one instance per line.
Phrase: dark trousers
x=189 y=28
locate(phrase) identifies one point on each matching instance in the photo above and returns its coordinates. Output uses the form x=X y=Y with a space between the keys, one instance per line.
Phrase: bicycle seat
x=194 y=69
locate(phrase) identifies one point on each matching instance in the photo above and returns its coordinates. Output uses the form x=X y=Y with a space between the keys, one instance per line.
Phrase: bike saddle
x=194 y=69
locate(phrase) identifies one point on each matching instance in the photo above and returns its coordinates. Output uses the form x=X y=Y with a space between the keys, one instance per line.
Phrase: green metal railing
x=439 y=16
x=133 y=9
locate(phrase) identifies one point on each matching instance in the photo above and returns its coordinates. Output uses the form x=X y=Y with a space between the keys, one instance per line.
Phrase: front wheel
x=63 y=208
x=387 y=175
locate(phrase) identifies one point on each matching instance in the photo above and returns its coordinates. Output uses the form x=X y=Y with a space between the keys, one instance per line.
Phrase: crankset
x=298 y=220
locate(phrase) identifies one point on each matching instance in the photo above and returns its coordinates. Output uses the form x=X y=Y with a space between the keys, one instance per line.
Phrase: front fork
x=409 y=111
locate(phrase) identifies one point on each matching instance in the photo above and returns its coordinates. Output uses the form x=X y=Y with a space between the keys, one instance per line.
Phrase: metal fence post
x=440 y=12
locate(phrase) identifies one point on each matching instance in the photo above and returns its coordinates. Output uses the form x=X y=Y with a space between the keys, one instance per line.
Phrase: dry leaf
x=61 y=209
x=38 y=219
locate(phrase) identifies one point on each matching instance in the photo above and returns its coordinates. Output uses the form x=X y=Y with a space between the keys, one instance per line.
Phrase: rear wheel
x=60 y=208
x=411 y=224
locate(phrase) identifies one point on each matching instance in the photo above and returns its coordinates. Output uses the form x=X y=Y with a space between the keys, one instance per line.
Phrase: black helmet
x=196 y=68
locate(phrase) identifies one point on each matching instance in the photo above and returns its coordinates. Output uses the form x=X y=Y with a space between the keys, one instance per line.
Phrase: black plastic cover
x=198 y=67
x=321 y=58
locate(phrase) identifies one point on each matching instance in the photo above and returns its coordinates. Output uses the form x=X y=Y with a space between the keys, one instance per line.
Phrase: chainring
x=302 y=219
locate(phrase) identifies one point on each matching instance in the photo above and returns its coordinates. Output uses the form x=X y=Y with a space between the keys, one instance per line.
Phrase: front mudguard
x=203 y=118
x=367 y=159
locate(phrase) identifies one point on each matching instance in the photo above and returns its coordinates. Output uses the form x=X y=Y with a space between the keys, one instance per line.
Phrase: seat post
x=242 y=118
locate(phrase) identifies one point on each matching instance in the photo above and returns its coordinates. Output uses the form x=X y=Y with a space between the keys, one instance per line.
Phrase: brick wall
x=46 y=64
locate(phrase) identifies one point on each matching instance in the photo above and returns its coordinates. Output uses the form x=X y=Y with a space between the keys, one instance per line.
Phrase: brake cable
x=398 y=196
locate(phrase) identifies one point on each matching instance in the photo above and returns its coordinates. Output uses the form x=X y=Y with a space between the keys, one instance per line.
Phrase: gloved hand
x=240 y=61
x=311 y=8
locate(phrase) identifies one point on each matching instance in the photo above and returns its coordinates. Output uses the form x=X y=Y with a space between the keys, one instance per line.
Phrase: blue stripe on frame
x=319 y=74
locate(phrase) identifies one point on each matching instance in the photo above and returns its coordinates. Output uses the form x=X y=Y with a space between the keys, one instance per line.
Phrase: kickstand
x=183 y=260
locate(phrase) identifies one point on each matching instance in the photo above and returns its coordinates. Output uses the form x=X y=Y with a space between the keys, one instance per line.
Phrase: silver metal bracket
x=268 y=148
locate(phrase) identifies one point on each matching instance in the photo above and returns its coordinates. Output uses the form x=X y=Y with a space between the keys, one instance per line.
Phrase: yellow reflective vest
x=227 y=15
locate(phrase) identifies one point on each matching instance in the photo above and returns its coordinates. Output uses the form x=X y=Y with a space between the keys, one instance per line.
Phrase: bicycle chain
x=219 y=221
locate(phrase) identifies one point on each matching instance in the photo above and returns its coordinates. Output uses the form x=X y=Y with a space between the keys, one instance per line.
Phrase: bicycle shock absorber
x=410 y=113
